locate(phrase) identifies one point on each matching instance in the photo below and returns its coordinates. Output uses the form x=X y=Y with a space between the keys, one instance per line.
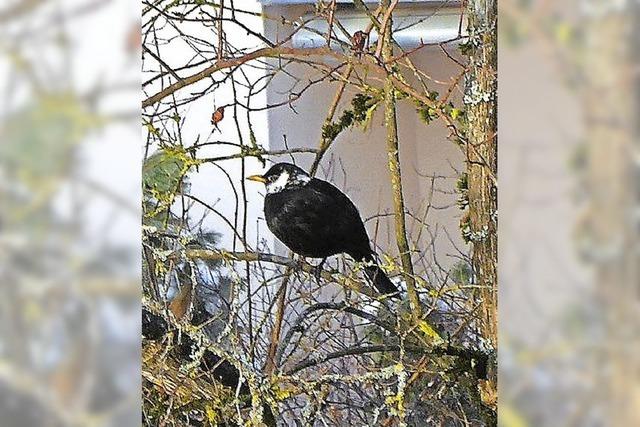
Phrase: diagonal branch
x=393 y=152
x=267 y=52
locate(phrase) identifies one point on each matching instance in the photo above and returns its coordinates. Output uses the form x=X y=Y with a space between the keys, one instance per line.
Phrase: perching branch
x=348 y=282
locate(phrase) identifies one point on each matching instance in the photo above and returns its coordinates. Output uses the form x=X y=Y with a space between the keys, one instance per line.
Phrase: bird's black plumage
x=315 y=219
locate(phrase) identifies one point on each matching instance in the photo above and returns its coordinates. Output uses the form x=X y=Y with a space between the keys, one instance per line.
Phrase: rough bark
x=482 y=166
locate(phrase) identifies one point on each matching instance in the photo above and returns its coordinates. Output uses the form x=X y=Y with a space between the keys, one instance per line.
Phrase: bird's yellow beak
x=257 y=178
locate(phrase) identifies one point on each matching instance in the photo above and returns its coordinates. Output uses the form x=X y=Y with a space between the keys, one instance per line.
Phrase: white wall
x=424 y=149
x=209 y=183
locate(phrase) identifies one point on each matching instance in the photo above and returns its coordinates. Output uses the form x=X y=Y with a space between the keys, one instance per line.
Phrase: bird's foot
x=317 y=270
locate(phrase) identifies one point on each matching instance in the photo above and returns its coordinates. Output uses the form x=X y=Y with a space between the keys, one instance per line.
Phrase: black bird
x=316 y=220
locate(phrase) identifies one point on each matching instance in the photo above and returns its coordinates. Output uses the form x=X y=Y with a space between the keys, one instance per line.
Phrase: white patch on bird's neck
x=285 y=180
x=279 y=184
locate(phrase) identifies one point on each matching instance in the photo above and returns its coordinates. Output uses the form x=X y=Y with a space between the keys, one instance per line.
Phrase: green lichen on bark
x=482 y=161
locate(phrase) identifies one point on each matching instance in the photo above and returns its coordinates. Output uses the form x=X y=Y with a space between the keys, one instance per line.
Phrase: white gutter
x=412 y=27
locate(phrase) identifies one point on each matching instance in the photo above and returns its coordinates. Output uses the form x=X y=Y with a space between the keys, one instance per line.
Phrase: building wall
x=357 y=161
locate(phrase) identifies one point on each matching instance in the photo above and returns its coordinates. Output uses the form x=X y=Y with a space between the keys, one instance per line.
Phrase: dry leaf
x=217 y=116
x=358 y=40
x=181 y=303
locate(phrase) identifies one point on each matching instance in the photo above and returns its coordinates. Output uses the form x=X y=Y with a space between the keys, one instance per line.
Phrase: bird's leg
x=318 y=269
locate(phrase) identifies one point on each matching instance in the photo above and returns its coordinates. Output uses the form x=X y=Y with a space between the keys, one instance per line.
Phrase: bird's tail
x=380 y=280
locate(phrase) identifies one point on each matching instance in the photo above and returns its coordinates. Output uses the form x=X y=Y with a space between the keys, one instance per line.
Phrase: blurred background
x=569 y=206
x=69 y=213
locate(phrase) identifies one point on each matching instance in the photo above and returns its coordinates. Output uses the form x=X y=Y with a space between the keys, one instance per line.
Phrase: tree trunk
x=482 y=167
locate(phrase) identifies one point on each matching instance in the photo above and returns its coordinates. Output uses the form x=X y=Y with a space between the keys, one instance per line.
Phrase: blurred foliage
x=509 y=417
x=68 y=292
x=164 y=175
x=38 y=152
x=39 y=140
x=461 y=273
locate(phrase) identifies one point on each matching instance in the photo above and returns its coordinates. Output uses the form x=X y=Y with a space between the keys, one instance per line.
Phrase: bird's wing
x=344 y=217
x=317 y=220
